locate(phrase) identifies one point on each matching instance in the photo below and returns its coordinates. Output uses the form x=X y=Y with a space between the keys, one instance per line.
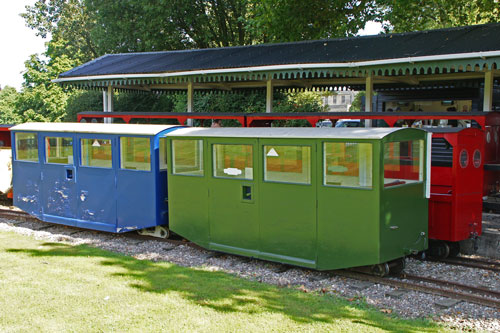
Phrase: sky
x=371 y=28
x=19 y=42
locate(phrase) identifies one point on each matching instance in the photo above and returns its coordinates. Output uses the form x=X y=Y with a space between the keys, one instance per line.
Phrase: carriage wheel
x=454 y=249
x=380 y=269
x=397 y=266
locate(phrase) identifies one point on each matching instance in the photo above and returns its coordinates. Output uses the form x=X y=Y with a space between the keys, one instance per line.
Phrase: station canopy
x=461 y=54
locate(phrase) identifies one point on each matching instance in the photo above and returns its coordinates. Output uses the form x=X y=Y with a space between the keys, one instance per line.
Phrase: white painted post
x=269 y=96
x=104 y=101
x=107 y=103
x=368 y=97
x=190 y=100
x=488 y=91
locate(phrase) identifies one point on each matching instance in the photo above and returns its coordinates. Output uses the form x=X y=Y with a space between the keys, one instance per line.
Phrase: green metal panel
x=234 y=221
x=404 y=216
x=404 y=209
x=188 y=203
x=348 y=219
x=288 y=212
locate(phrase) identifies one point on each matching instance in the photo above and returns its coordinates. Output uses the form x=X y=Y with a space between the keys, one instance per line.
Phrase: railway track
x=491 y=265
x=21 y=217
x=477 y=295
x=458 y=291
x=16 y=215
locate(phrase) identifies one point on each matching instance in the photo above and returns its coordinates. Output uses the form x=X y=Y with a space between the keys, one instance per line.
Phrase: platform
x=489 y=242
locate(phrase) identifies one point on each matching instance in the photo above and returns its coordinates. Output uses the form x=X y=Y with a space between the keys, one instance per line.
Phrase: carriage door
x=288 y=202
x=135 y=183
x=26 y=179
x=347 y=204
x=96 y=181
x=58 y=177
x=233 y=209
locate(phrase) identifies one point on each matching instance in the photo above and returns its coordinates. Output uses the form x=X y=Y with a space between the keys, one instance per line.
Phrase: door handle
x=246 y=192
x=70 y=174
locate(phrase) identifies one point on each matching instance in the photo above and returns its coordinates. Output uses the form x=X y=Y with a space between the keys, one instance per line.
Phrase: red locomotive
x=455 y=205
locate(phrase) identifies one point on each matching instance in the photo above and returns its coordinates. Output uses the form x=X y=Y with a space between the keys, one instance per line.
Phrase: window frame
x=58 y=135
x=163 y=167
x=16 y=155
x=422 y=167
x=323 y=165
x=214 y=160
x=91 y=166
x=310 y=146
x=120 y=155
x=201 y=155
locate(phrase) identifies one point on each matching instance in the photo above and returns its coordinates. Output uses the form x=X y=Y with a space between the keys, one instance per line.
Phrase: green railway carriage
x=317 y=198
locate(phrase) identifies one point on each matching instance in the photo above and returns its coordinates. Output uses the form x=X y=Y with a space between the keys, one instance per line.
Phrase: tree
x=8 y=98
x=155 y=25
x=286 y=21
x=41 y=99
x=410 y=15
x=68 y=25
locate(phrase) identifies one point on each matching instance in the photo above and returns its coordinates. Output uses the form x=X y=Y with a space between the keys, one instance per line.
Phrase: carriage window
x=187 y=157
x=347 y=164
x=26 y=147
x=403 y=162
x=59 y=150
x=163 y=154
x=288 y=164
x=96 y=153
x=135 y=153
x=233 y=161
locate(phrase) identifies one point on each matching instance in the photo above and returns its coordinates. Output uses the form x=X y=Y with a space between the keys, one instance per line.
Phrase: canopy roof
x=95 y=128
x=463 y=49
x=287 y=132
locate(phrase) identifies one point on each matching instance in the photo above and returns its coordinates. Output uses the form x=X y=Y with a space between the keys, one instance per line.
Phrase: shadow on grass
x=226 y=293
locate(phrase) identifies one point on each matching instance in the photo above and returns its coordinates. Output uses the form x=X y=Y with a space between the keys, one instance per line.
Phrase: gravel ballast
x=405 y=303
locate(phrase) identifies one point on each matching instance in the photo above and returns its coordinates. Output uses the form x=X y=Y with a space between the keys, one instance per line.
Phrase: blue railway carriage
x=108 y=177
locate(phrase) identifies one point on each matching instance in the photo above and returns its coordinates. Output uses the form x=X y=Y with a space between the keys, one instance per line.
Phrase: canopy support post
x=488 y=91
x=107 y=103
x=368 y=97
x=190 y=100
x=269 y=96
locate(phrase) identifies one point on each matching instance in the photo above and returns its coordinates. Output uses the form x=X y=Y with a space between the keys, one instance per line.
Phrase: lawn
x=53 y=287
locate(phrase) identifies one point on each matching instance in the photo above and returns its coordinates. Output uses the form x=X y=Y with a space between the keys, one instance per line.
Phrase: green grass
x=53 y=287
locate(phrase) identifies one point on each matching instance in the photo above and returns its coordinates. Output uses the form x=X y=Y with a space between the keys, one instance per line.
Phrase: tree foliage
x=410 y=15
x=78 y=31
x=8 y=98
x=68 y=24
x=286 y=21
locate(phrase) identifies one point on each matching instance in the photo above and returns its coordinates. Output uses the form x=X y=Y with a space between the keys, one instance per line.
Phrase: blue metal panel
x=161 y=188
x=58 y=183
x=96 y=189
x=26 y=183
x=141 y=194
x=136 y=196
